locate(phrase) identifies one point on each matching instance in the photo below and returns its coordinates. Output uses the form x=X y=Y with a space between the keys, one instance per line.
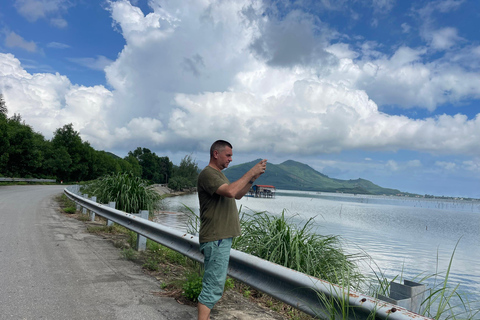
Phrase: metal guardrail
x=313 y=296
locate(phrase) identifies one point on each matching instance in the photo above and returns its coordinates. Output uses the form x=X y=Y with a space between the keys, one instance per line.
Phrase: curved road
x=50 y=268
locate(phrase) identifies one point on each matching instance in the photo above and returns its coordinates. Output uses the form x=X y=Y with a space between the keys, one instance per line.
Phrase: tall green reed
x=131 y=193
x=278 y=239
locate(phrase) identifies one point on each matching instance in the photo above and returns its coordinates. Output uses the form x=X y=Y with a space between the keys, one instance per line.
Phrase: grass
x=279 y=240
x=445 y=302
x=130 y=192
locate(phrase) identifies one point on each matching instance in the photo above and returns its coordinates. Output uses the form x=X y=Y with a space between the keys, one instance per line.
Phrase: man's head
x=221 y=154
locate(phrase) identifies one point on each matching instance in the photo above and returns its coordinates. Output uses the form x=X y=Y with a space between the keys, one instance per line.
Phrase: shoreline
x=165 y=191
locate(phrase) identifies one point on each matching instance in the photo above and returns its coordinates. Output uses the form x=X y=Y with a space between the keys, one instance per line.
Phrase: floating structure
x=262 y=191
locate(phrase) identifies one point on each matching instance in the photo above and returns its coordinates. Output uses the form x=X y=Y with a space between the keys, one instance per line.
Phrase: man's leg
x=216 y=257
x=203 y=312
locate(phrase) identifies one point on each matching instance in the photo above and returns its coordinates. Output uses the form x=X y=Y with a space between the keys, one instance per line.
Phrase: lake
x=406 y=237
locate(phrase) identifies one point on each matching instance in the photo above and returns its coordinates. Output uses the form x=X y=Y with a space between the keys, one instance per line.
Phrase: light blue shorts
x=217 y=255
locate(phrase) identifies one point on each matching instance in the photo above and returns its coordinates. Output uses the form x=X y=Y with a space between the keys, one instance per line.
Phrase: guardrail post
x=111 y=205
x=92 y=213
x=84 y=210
x=409 y=295
x=141 y=240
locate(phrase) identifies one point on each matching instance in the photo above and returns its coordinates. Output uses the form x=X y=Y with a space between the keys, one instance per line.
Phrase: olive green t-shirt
x=218 y=214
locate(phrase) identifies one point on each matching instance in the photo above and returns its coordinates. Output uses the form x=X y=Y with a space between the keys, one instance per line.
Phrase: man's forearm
x=245 y=189
x=240 y=187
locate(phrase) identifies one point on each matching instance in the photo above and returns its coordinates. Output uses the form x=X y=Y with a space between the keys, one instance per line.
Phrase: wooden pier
x=262 y=191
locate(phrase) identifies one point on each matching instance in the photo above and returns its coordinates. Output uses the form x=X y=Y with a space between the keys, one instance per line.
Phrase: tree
x=154 y=168
x=3 y=106
x=185 y=175
x=24 y=154
x=131 y=164
x=4 y=143
x=80 y=153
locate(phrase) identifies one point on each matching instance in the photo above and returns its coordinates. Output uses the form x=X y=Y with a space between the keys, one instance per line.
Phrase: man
x=219 y=221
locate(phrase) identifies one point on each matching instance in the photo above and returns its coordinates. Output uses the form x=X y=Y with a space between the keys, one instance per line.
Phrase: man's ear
x=215 y=154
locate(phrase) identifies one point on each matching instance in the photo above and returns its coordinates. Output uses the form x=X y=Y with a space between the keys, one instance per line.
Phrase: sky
x=384 y=90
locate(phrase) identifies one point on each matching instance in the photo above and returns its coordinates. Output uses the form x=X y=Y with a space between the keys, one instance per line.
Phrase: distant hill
x=293 y=175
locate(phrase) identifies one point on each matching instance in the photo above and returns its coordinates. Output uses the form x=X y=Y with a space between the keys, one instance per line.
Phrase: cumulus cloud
x=224 y=69
x=48 y=101
x=14 y=40
x=407 y=80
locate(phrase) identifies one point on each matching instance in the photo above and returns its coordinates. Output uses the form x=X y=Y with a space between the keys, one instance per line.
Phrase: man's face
x=224 y=157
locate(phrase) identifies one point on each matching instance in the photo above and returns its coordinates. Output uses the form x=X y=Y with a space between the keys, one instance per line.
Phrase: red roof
x=265 y=186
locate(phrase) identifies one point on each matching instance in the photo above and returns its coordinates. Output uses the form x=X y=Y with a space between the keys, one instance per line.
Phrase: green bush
x=130 y=192
x=129 y=254
x=152 y=264
x=193 y=286
x=70 y=210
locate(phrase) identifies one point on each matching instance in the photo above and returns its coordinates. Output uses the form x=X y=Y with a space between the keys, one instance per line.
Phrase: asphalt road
x=50 y=268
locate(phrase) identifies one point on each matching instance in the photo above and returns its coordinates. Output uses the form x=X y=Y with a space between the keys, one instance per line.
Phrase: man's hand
x=259 y=168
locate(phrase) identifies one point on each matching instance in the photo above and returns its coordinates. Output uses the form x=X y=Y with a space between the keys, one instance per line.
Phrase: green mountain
x=293 y=175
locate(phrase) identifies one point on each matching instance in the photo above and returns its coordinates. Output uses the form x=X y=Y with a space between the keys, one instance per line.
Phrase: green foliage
x=131 y=164
x=129 y=254
x=192 y=286
x=3 y=106
x=152 y=263
x=24 y=153
x=229 y=284
x=185 y=176
x=179 y=183
x=130 y=193
x=163 y=253
x=69 y=210
x=279 y=240
x=153 y=168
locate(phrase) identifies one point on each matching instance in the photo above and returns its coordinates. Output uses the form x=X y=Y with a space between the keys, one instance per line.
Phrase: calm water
x=403 y=236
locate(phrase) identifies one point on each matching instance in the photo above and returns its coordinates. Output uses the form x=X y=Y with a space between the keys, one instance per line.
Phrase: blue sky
x=384 y=90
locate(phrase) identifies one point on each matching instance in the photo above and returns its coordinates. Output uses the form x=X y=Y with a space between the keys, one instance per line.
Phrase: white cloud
x=59 y=22
x=405 y=79
x=14 y=40
x=392 y=165
x=383 y=6
x=444 y=38
x=48 y=101
x=446 y=165
x=98 y=63
x=414 y=163
x=58 y=45
x=472 y=165
x=406 y=27
x=196 y=72
x=32 y=10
